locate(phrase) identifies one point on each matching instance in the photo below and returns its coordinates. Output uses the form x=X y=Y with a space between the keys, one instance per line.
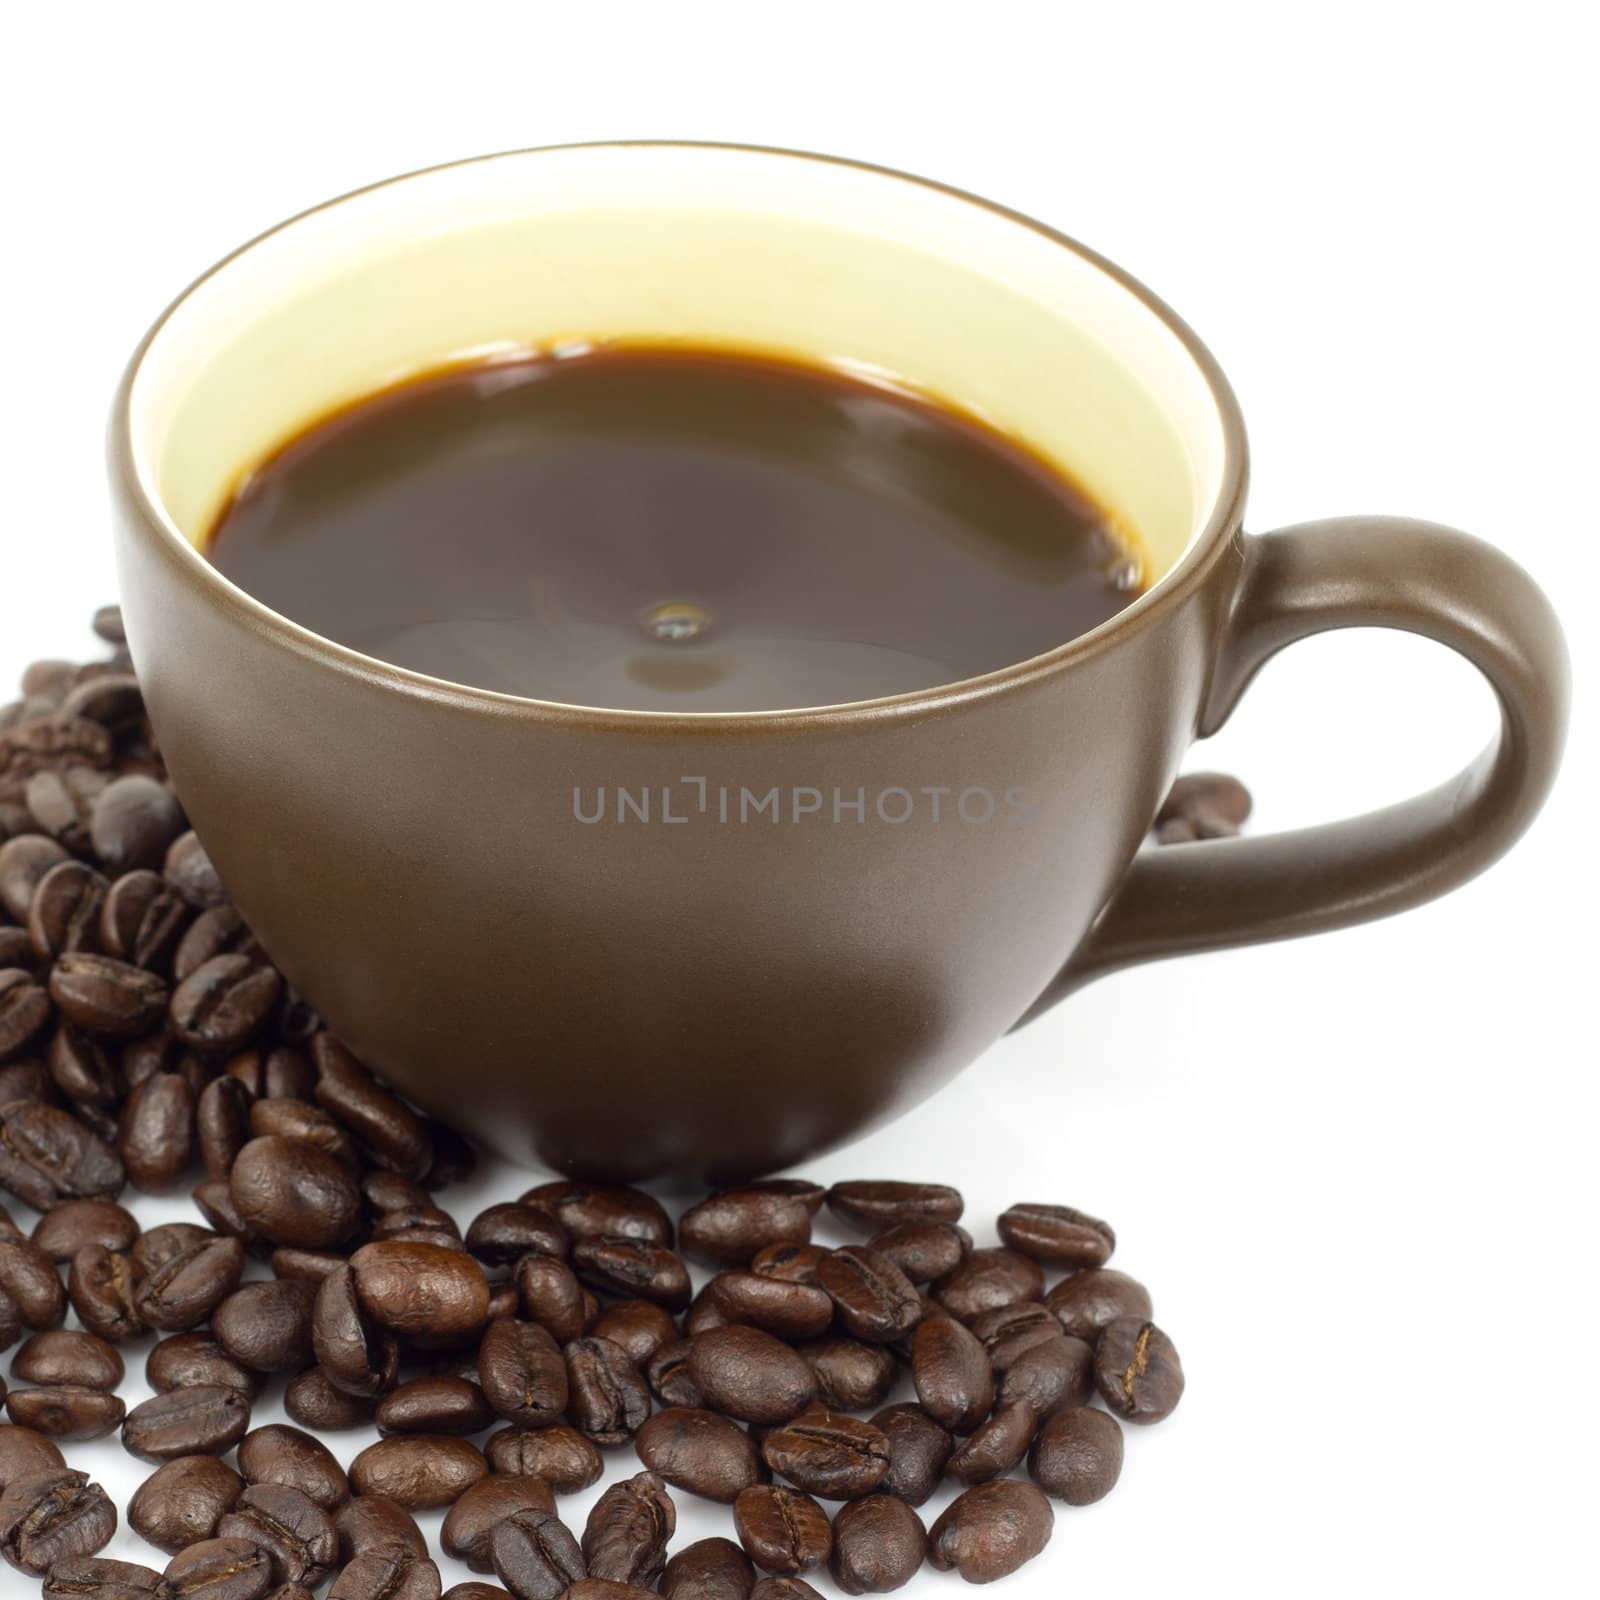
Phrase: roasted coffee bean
x=66 y=1413
x=625 y=1539
x=1077 y=1455
x=588 y=1211
x=991 y=1530
x=605 y=1589
x=385 y=1577
x=358 y=1357
x=879 y=1544
x=1008 y=1332
x=25 y=860
x=638 y=1328
x=708 y=1569
x=297 y=1533
x=65 y=915
x=25 y=1453
x=434 y=1405
x=142 y=919
x=851 y=1375
x=220 y=1569
x=669 y=1377
x=53 y=1516
x=1212 y=804
x=749 y=1375
x=312 y=1401
x=107 y=624
x=60 y=800
x=559 y=1456
x=701 y=1453
x=632 y=1268
x=157 y=1133
x=422 y=1471
x=217 y=931
x=426 y=1294
x=165 y=1242
x=100 y=1285
x=919 y=1448
x=1137 y=1371
x=1058 y=1372
x=189 y=1360
x=24 y=1014
x=828 y=1455
x=550 y=1294
x=923 y=1250
x=294 y=1193
x=182 y=1502
x=29 y=1277
x=100 y=694
x=388 y=1191
x=222 y=1124
x=988 y=1279
x=705 y=1313
x=1058 y=1236
x=47 y=1155
x=951 y=1373
x=791 y=1263
x=106 y=997
x=376 y=1523
x=87 y=1071
x=535 y=1555
x=188 y=869
x=225 y=1002
x=214 y=1201
x=782 y=1530
x=502 y=1235
x=522 y=1373
x=206 y=1419
x=388 y=1129
x=71 y=1357
x=1085 y=1302
x=996 y=1445
x=475 y=1591
x=728 y=1229
x=267 y=1326
x=875 y=1206
x=783 y=1589
x=300 y=1119
x=66 y=1228
x=133 y=822
x=607 y=1397
x=16 y=950
x=95 y=1578
x=790 y=1310
x=276 y=1454
x=471 y=1521
x=875 y=1299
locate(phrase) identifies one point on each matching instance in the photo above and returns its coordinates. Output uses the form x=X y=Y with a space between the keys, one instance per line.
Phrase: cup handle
x=1354 y=572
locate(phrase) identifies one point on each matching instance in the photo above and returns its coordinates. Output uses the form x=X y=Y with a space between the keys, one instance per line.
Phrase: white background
x=1356 y=1171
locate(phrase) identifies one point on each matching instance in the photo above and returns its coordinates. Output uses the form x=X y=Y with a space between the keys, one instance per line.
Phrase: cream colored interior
x=734 y=246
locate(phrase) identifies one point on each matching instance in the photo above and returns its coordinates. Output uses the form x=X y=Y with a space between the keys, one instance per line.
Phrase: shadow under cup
x=711 y=992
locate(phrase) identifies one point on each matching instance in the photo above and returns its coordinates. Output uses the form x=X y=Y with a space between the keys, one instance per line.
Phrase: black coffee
x=673 y=530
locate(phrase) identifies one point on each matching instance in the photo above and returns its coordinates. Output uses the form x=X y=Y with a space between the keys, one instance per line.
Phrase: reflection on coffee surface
x=669 y=529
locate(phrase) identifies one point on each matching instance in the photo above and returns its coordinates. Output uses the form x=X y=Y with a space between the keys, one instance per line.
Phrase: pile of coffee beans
x=145 y=1037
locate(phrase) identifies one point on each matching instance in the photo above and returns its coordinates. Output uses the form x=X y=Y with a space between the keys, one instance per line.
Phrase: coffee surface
x=673 y=530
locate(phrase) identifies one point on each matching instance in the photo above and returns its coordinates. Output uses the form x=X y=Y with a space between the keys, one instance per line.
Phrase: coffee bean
x=876 y=1301
x=293 y=1193
x=792 y=1263
x=297 y=1533
x=828 y=1455
x=16 y=950
x=638 y=1327
x=87 y=1071
x=70 y=1357
x=189 y=1360
x=426 y=1294
x=422 y=1471
x=25 y=1453
x=60 y=801
x=1085 y=1302
x=784 y=1589
x=24 y=860
x=95 y=1578
x=165 y=1242
x=608 y=1398
x=1202 y=798
x=378 y=1524
x=705 y=1313
x=24 y=1013
x=222 y=1124
x=991 y=1530
x=471 y=1521
x=1059 y=1372
x=1077 y=1455
x=53 y=1516
x=157 y=1133
x=1008 y=1332
x=879 y=1205
x=986 y=1280
x=182 y=1502
x=918 y=1450
x=851 y=1375
x=358 y=1357
x=133 y=822
x=47 y=1155
x=522 y=1373
x=605 y=1589
x=188 y=869
x=625 y=1539
x=271 y=1116
x=216 y=931
x=1058 y=1236
x=214 y=1201
x=224 y=1002
x=1137 y=1371
x=434 y=1405
x=388 y=1129
x=632 y=1268
x=474 y=1591
x=535 y=1555
x=559 y=1456
x=67 y=906
x=550 y=1294
x=728 y=1229
x=29 y=1277
x=203 y=1420
x=280 y=1455
x=996 y=1445
x=879 y=1544
x=65 y=1412
x=106 y=997
x=700 y=1452
x=588 y=1211
x=782 y=1530
x=101 y=1287
x=220 y=1569
x=790 y=1310
x=386 y=1577
x=267 y=1326
x=38 y=742
x=923 y=1251
x=502 y=1235
x=142 y=920
x=749 y=1375
x=70 y=1225
x=669 y=1377
x=312 y=1401
x=708 y=1569
x=951 y=1373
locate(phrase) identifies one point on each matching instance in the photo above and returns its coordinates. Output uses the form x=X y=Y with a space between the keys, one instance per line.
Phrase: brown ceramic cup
x=701 y=980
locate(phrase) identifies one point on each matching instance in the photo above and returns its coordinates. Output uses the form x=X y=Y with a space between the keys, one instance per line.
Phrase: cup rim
x=1168 y=593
